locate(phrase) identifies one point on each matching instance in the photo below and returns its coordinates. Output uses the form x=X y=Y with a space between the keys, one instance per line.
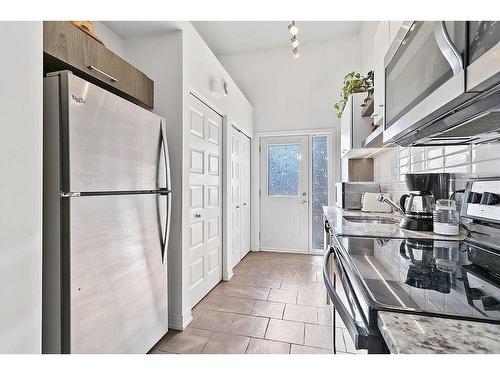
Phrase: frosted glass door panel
x=283 y=169
x=319 y=187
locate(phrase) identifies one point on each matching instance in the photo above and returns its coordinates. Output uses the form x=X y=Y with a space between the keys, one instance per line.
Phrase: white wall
x=21 y=187
x=290 y=94
x=366 y=45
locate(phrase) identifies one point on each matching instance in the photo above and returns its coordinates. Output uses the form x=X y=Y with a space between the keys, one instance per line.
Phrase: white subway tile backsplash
x=487 y=167
x=463 y=161
x=434 y=152
x=454 y=149
x=417 y=154
x=458 y=159
x=434 y=164
x=418 y=167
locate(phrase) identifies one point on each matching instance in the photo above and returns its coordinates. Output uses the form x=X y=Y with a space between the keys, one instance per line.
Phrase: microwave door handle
x=357 y=332
x=448 y=49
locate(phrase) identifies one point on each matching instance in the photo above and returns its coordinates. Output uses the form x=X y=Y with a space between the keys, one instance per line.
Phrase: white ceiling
x=226 y=37
x=131 y=29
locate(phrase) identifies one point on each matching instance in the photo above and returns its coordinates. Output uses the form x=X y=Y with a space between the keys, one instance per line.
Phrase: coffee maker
x=418 y=206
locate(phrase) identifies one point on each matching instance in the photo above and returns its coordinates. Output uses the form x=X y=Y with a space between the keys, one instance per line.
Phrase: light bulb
x=296 y=54
x=295 y=42
x=293 y=29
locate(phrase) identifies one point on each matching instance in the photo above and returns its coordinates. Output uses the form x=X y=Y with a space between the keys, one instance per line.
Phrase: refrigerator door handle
x=166 y=191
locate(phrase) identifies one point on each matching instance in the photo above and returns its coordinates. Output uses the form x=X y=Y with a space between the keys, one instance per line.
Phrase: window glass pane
x=319 y=188
x=283 y=169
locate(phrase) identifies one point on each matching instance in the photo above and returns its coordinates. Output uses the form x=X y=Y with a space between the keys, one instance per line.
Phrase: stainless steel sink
x=371 y=219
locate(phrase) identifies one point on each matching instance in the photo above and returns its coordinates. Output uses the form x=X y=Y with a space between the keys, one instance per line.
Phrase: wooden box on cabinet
x=67 y=47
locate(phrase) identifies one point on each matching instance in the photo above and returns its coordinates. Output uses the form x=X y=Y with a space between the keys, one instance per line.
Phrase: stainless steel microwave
x=442 y=83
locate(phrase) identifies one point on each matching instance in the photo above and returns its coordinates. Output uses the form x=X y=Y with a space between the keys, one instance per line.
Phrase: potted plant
x=354 y=83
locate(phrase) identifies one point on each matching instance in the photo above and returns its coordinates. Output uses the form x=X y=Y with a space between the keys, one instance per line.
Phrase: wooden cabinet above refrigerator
x=67 y=47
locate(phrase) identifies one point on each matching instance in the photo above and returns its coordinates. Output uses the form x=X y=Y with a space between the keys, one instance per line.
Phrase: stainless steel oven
x=439 y=75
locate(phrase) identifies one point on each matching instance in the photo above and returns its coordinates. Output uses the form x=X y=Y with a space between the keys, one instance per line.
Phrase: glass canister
x=446 y=217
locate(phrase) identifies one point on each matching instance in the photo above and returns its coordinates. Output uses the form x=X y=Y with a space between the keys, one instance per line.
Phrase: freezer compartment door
x=113 y=145
x=117 y=281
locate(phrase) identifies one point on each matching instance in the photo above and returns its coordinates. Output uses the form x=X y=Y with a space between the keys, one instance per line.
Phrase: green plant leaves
x=354 y=82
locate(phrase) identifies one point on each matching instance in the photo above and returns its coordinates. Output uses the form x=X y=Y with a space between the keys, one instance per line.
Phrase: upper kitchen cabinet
x=380 y=47
x=353 y=128
x=67 y=47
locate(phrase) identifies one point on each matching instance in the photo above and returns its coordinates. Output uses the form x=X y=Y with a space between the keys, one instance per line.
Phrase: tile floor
x=275 y=303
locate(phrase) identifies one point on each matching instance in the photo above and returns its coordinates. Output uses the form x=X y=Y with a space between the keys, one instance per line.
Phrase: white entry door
x=205 y=198
x=284 y=193
x=240 y=195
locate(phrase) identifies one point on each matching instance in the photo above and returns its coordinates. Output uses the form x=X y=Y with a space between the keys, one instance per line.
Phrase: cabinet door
x=63 y=41
x=67 y=47
x=346 y=129
x=394 y=27
x=381 y=45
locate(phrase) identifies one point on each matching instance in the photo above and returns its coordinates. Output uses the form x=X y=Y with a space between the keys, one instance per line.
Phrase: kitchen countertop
x=341 y=227
x=418 y=334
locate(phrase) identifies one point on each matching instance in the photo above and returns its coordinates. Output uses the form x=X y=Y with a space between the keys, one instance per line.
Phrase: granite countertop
x=418 y=334
x=341 y=227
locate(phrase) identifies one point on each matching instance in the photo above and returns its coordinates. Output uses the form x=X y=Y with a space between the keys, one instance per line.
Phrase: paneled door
x=205 y=198
x=284 y=193
x=240 y=195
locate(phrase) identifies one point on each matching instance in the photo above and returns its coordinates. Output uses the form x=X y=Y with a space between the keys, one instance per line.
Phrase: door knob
x=237 y=206
x=304 y=202
x=304 y=194
x=244 y=203
x=197 y=216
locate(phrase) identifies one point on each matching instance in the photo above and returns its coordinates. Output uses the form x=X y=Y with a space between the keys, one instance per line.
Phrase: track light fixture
x=293 y=29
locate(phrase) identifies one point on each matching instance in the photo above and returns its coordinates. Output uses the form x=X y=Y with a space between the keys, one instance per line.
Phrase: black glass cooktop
x=435 y=277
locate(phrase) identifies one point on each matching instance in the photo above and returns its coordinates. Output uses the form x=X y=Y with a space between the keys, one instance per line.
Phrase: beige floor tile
x=281 y=295
x=311 y=299
x=304 y=276
x=226 y=303
x=286 y=331
x=325 y=316
x=305 y=286
x=247 y=325
x=281 y=274
x=260 y=346
x=252 y=292
x=256 y=281
x=189 y=341
x=318 y=336
x=225 y=343
x=300 y=313
x=268 y=309
x=300 y=349
x=212 y=320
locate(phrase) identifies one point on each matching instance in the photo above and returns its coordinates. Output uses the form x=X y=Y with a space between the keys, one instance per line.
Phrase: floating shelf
x=367 y=110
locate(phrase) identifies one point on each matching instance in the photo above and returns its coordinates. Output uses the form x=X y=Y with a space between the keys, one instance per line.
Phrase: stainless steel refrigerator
x=106 y=218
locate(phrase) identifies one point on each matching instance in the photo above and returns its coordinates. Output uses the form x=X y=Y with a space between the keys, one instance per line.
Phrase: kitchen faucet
x=383 y=198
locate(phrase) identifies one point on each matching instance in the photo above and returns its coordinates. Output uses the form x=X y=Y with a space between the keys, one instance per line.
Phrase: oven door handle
x=358 y=333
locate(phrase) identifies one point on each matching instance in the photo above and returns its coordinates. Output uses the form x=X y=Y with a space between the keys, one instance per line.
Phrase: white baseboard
x=291 y=251
x=227 y=275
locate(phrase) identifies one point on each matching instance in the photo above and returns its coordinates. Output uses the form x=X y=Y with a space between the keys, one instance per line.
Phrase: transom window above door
x=283 y=166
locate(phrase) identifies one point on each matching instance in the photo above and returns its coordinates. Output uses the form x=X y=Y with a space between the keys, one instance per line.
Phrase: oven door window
x=418 y=68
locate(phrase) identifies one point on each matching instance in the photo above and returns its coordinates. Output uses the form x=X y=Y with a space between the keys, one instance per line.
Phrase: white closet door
x=236 y=195
x=245 y=194
x=205 y=198
x=240 y=195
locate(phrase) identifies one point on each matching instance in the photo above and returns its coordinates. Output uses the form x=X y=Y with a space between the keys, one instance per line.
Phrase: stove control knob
x=489 y=199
